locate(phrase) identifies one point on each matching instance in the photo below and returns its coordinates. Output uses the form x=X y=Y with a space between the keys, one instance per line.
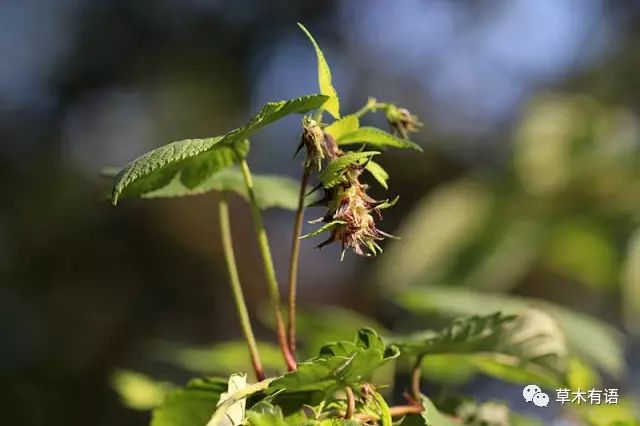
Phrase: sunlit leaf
x=377 y=138
x=339 y=364
x=197 y=159
x=324 y=228
x=589 y=338
x=529 y=348
x=330 y=324
x=341 y=127
x=332 y=104
x=378 y=173
x=333 y=173
x=191 y=405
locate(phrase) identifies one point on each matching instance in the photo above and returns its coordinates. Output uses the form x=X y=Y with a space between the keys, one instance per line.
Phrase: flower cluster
x=352 y=213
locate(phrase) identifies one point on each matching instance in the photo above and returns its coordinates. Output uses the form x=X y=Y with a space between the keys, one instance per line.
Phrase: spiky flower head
x=351 y=215
x=402 y=122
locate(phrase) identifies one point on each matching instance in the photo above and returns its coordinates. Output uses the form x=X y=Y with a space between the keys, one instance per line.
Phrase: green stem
x=236 y=289
x=371 y=106
x=293 y=262
x=265 y=251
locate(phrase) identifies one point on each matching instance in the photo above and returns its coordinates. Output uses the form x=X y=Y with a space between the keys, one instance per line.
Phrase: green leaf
x=270 y=190
x=230 y=410
x=377 y=138
x=138 y=391
x=588 y=337
x=378 y=173
x=332 y=174
x=324 y=78
x=465 y=335
x=326 y=227
x=341 y=127
x=197 y=159
x=327 y=324
x=383 y=407
x=191 y=405
x=388 y=203
x=528 y=349
x=339 y=364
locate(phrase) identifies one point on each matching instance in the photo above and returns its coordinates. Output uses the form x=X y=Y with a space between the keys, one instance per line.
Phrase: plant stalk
x=351 y=403
x=371 y=105
x=265 y=251
x=293 y=262
x=403 y=410
x=415 y=379
x=236 y=289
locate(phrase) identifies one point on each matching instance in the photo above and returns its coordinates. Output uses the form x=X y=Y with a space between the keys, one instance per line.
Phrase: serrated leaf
x=327 y=324
x=324 y=228
x=324 y=78
x=266 y=414
x=528 y=349
x=339 y=364
x=191 y=405
x=332 y=174
x=197 y=159
x=464 y=335
x=378 y=173
x=587 y=337
x=139 y=392
x=341 y=127
x=377 y=138
x=270 y=190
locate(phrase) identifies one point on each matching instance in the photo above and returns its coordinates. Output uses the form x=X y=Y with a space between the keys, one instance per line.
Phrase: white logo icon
x=533 y=393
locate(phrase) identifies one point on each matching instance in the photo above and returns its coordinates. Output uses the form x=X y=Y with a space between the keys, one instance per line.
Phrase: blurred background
x=529 y=187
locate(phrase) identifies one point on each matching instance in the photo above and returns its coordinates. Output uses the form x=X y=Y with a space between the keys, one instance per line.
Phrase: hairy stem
x=351 y=403
x=415 y=379
x=236 y=289
x=265 y=251
x=293 y=262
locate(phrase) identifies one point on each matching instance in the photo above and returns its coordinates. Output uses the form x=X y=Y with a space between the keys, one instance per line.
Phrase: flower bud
x=402 y=122
x=318 y=144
